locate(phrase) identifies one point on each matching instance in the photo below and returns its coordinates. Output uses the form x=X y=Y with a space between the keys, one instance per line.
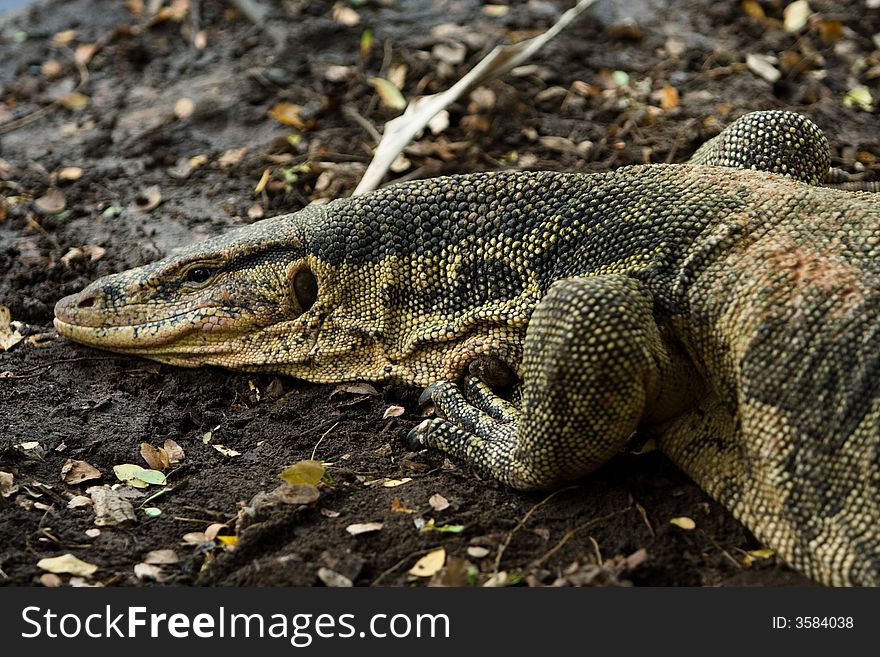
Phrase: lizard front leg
x=592 y=364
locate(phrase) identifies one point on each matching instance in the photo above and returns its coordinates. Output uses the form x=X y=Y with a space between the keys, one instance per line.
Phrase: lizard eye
x=198 y=275
x=305 y=287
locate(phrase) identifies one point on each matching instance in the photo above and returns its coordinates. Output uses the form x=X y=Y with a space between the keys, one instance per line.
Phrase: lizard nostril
x=88 y=302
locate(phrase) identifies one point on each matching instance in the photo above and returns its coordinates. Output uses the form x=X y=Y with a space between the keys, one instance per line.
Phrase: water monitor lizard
x=734 y=314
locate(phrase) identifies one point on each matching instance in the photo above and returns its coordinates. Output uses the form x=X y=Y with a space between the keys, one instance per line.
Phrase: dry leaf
x=364 y=528
x=288 y=114
x=334 y=579
x=69 y=173
x=795 y=15
x=154 y=457
x=429 y=564
x=345 y=15
x=51 y=68
x=9 y=333
x=438 y=502
x=232 y=157
x=84 y=53
x=684 y=522
x=195 y=538
x=261 y=185
x=149 y=572
x=477 y=551
x=92 y=532
x=7 y=484
x=173 y=451
x=65 y=37
x=226 y=451
x=394 y=483
x=50 y=580
x=76 y=472
x=388 y=93
x=74 y=101
x=183 y=108
x=78 y=501
x=148 y=199
x=399 y=506
x=161 y=557
x=354 y=389
x=213 y=530
x=69 y=564
x=393 y=411
x=764 y=66
x=256 y=211
x=91 y=252
x=668 y=97
x=51 y=202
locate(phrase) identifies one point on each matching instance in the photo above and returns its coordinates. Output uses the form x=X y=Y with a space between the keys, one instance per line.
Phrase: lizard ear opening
x=303 y=286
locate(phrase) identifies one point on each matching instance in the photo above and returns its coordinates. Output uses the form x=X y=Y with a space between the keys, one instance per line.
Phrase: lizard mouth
x=131 y=337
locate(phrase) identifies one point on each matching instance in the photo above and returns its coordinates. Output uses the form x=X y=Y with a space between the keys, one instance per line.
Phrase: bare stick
x=400 y=131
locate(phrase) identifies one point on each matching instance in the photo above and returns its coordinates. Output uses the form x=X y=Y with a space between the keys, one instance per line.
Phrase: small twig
x=385 y=573
x=521 y=524
x=195 y=16
x=356 y=116
x=644 y=515
x=572 y=532
x=315 y=449
x=37 y=370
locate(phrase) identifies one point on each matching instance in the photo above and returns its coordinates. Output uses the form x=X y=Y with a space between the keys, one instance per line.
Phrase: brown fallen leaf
x=183 y=108
x=359 y=528
x=74 y=101
x=51 y=202
x=399 y=506
x=147 y=199
x=9 y=333
x=84 y=52
x=438 y=502
x=173 y=451
x=288 y=114
x=50 y=580
x=334 y=579
x=684 y=522
x=149 y=572
x=7 y=484
x=232 y=157
x=91 y=252
x=477 y=551
x=67 y=564
x=69 y=173
x=161 y=557
x=429 y=564
x=393 y=411
x=76 y=472
x=155 y=457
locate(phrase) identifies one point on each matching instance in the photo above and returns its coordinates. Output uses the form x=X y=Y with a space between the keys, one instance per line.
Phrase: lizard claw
x=415 y=439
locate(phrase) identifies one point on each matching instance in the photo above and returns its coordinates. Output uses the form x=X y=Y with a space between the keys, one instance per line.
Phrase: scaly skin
x=733 y=314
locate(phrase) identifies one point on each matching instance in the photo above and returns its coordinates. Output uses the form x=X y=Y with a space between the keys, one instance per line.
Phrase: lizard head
x=393 y=285
x=240 y=300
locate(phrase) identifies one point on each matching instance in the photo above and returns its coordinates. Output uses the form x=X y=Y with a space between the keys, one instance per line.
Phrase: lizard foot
x=474 y=415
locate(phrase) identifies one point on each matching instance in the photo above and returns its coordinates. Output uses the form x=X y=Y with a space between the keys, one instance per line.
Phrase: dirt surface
x=112 y=99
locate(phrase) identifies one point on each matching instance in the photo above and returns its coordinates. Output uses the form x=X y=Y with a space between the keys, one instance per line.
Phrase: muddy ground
x=102 y=100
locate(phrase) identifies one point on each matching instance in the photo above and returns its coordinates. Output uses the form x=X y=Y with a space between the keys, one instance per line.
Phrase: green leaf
x=305 y=472
x=152 y=511
x=135 y=475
